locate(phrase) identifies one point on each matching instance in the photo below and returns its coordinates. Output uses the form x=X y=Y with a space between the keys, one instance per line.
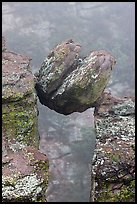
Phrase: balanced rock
x=68 y=83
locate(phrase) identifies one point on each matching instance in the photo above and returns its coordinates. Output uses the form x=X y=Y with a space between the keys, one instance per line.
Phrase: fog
x=33 y=29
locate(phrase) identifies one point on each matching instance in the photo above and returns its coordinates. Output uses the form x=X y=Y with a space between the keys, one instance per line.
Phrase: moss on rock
x=25 y=168
x=19 y=108
x=113 y=170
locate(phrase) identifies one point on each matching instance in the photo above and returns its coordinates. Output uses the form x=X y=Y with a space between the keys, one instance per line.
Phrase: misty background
x=33 y=29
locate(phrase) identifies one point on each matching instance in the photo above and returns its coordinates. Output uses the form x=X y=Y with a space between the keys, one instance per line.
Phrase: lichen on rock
x=24 y=167
x=113 y=168
x=19 y=109
x=68 y=83
x=25 y=173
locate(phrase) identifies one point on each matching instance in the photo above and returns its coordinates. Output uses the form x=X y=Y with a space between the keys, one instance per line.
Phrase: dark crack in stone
x=68 y=83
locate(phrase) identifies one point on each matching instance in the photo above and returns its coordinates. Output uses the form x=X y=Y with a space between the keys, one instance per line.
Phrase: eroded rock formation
x=65 y=83
x=24 y=167
x=113 y=167
x=68 y=83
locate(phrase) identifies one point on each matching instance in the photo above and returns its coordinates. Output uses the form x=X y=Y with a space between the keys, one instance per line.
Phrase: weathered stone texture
x=24 y=168
x=19 y=109
x=113 y=171
x=68 y=83
x=24 y=173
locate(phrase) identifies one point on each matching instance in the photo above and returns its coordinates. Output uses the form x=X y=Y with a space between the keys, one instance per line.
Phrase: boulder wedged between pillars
x=67 y=82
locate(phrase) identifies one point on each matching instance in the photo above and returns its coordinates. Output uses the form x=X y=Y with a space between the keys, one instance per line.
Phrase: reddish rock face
x=15 y=76
x=21 y=159
x=19 y=109
x=68 y=83
x=24 y=173
x=24 y=167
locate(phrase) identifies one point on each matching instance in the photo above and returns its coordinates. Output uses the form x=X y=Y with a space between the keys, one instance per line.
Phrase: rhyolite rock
x=113 y=165
x=24 y=173
x=19 y=102
x=68 y=83
x=24 y=167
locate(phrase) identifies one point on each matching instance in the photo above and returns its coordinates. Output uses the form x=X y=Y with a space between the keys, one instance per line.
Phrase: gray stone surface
x=68 y=83
x=113 y=168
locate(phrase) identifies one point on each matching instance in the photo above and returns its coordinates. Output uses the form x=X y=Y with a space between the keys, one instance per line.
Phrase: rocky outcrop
x=24 y=167
x=65 y=83
x=113 y=168
x=19 y=109
x=68 y=83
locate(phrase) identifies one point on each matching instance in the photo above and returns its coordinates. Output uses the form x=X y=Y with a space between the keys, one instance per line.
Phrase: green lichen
x=61 y=52
x=41 y=165
x=44 y=167
x=20 y=120
x=79 y=95
x=115 y=157
x=20 y=129
x=115 y=178
x=127 y=194
x=133 y=146
x=26 y=188
x=9 y=181
x=124 y=194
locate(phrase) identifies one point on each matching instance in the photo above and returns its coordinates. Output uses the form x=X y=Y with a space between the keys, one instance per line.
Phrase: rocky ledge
x=113 y=168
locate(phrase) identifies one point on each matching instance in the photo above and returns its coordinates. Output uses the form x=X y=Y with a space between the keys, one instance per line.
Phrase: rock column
x=24 y=167
x=113 y=168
